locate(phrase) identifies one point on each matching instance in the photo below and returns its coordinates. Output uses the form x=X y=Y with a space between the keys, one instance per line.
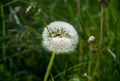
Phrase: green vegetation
x=22 y=57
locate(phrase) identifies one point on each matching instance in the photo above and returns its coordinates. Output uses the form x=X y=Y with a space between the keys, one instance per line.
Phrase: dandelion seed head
x=59 y=37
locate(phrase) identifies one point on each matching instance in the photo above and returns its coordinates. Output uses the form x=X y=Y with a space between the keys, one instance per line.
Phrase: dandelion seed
x=91 y=39
x=86 y=75
x=59 y=37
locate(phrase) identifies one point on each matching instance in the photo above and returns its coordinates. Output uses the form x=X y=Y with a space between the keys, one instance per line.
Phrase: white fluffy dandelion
x=59 y=37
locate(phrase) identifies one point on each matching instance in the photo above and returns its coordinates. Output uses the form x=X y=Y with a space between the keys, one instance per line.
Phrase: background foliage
x=22 y=58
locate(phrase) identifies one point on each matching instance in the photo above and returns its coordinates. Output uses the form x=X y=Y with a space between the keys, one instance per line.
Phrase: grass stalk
x=101 y=39
x=96 y=66
x=101 y=24
x=78 y=7
x=3 y=33
x=49 y=66
x=89 y=65
x=69 y=69
x=80 y=27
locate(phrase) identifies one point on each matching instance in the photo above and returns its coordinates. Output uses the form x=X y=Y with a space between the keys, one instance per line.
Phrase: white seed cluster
x=59 y=37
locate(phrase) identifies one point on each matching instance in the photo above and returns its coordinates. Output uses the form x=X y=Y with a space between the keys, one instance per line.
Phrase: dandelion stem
x=49 y=66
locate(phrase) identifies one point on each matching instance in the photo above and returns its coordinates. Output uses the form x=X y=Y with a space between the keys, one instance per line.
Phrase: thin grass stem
x=3 y=34
x=80 y=27
x=101 y=39
x=96 y=66
x=89 y=65
x=101 y=24
x=68 y=69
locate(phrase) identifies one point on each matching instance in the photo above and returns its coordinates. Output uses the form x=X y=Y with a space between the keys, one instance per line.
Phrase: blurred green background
x=22 y=58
